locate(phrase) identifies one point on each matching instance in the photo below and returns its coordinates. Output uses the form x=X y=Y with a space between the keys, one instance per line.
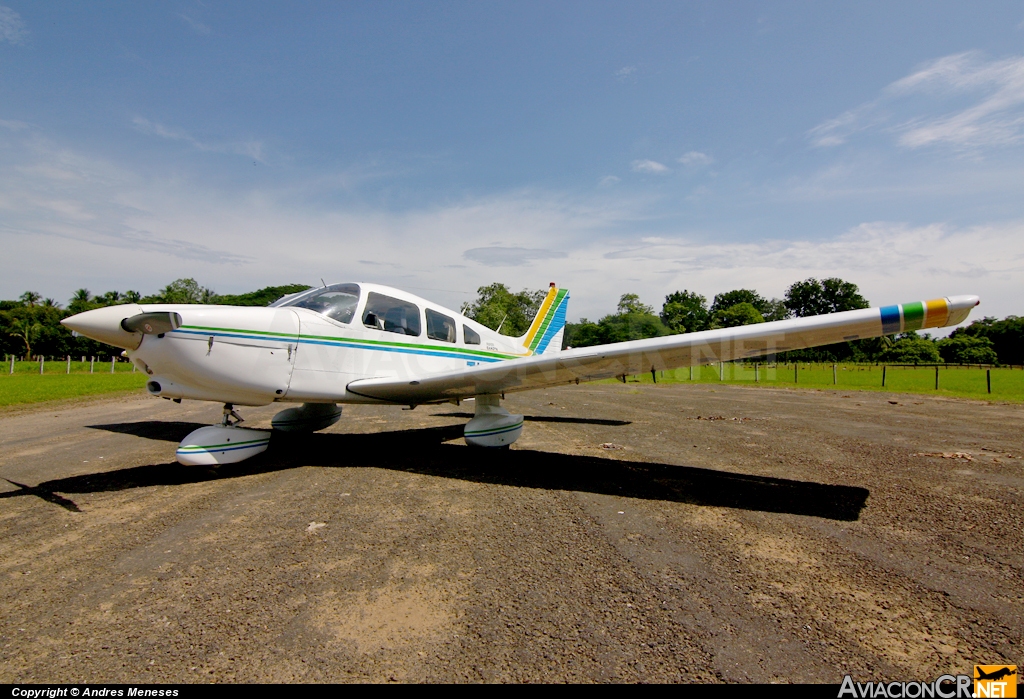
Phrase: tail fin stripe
x=535 y=326
x=546 y=323
x=555 y=324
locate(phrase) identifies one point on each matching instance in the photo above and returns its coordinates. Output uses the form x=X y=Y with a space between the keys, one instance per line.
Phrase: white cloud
x=608 y=181
x=891 y=262
x=197 y=27
x=12 y=27
x=649 y=167
x=70 y=220
x=993 y=92
x=624 y=72
x=250 y=149
x=499 y=256
x=696 y=158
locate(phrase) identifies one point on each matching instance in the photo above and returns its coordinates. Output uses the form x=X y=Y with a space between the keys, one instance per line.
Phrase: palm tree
x=30 y=298
x=26 y=330
x=82 y=296
x=50 y=303
x=131 y=296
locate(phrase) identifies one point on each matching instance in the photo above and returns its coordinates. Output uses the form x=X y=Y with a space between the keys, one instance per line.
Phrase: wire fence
x=68 y=365
x=958 y=379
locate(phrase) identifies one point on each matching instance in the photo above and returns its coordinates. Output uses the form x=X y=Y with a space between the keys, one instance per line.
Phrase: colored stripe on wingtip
x=913 y=316
x=936 y=313
x=891 y=319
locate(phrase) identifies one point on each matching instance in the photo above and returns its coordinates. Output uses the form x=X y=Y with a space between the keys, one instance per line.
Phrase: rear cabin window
x=472 y=337
x=440 y=327
x=337 y=301
x=391 y=315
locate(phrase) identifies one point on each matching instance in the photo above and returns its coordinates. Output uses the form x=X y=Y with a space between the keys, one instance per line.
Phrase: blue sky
x=612 y=147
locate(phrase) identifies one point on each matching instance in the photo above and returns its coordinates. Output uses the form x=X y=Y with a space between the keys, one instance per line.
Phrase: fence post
x=796 y=373
x=833 y=374
x=691 y=372
x=755 y=373
x=721 y=371
x=988 y=379
x=69 y=364
x=883 y=376
x=936 y=378
x=12 y=365
x=41 y=360
x=112 y=360
x=92 y=362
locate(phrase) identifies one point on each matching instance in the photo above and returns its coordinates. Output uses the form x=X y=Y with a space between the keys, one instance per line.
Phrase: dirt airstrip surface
x=634 y=533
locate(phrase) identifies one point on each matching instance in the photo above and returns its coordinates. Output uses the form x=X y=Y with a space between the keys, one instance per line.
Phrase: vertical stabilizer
x=545 y=333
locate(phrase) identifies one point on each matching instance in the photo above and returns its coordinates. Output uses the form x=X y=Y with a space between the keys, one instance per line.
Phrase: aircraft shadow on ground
x=424 y=451
x=551 y=418
x=153 y=429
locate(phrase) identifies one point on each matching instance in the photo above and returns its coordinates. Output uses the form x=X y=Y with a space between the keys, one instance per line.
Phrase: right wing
x=658 y=353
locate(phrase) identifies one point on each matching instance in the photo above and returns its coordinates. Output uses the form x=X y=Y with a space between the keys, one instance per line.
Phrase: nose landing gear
x=225 y=443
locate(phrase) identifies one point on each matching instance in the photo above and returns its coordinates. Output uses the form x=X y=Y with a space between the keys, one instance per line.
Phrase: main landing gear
x=492 y=426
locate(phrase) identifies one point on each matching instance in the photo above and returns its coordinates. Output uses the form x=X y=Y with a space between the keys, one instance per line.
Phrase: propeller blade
x=152 y=323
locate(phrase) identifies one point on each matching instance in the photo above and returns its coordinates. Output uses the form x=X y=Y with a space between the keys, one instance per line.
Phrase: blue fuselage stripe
x=346 y=343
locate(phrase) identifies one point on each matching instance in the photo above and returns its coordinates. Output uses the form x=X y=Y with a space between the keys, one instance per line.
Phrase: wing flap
x=638 y=356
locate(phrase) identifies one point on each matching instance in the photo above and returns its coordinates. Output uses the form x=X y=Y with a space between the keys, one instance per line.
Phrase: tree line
x=30 y=325
x=985 y=341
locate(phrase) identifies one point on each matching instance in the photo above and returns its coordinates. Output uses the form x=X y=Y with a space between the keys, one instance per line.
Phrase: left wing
x=691 y=349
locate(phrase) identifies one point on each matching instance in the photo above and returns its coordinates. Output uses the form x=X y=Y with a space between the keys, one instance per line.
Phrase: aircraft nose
x=104 y=325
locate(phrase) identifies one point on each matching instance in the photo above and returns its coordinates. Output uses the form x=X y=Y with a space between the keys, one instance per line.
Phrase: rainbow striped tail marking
x=936 y=313
x=545 y=334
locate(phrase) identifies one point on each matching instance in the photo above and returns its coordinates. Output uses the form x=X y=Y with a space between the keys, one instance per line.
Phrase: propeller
x=152 y=323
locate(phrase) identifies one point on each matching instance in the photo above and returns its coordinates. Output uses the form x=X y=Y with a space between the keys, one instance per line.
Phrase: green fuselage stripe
x=255 y=334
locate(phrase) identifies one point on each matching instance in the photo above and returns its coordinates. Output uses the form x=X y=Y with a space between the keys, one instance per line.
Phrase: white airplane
x=367 y=343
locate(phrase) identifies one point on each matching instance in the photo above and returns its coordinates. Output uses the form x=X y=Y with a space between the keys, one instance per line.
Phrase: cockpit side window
x=440 y=326
x=472 y=337
x=391 y=315
x=337 y=301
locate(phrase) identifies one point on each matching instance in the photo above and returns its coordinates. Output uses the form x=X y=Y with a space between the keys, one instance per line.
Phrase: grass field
x=965 y=382
x=27 y=386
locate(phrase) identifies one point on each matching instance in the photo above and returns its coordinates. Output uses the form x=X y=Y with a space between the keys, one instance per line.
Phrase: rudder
x=548 y=327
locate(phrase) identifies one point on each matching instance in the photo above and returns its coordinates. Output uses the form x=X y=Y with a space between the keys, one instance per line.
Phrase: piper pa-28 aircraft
x=366 y=343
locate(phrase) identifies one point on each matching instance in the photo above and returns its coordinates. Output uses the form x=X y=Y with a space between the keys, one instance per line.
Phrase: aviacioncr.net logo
x=998 y=681
x=945 y=687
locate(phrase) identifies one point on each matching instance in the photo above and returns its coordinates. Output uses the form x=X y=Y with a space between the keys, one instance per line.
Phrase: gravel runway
x=635 y=533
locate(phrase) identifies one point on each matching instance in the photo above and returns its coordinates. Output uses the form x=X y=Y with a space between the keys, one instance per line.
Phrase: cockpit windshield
x=337 y=301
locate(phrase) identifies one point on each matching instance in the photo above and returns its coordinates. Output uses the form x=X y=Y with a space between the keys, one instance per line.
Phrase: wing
x=691 y=349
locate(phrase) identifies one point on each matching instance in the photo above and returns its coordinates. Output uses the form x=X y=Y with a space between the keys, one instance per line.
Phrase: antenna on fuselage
x=323 y=282
x=498 y=330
